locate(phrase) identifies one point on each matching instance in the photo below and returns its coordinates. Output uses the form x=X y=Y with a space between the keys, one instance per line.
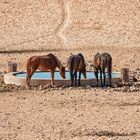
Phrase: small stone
x=88 y=87
x=117 y=89
x=75 y=109
x=126 y=89
x=16 y=88
x=63 y=86
x=135 y=79
x=33 y=88
x=115 y=85
x=94 y=89
x=48 y=86
x=46 y=90
x=41 y=87
x=70 y=88
x=136 y=84
x=69 y=123
x=119 y=84
x=130 y=83
x=134 y=89
x=105 y=89
x=137 y=110
x=81 y=87
x=60 y=88
x=137 y=69
x=18 y=127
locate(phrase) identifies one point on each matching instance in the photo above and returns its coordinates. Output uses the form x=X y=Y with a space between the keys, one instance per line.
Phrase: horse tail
x=110 y=65
x=29 y=69
x=109 y=68
x=71 y=66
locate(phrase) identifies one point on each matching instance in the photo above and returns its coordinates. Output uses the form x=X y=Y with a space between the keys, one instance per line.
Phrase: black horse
x=100 y=63
x=76 y=63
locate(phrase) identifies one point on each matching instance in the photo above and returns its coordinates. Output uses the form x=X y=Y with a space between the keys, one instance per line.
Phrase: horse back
x=106 y=58
x=75 y=62
x=106 y=61
x=32 y=61
x=102 y=61
x=43 y=62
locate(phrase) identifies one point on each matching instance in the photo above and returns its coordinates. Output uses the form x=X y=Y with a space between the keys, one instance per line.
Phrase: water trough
x=44 y=78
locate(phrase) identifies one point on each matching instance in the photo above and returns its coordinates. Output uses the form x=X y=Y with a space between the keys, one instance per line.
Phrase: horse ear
x=96 y=54
x=71 y=54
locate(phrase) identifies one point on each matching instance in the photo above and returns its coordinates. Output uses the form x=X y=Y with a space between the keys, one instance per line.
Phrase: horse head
x=62 y=71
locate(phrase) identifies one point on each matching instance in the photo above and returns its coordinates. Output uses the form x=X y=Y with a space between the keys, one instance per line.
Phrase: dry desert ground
x=71 y=113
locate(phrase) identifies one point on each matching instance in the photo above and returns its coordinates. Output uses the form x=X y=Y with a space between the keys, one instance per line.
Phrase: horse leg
x=72 y=78
x=72 y=81
x=110 y=76
x=101 y=78
x=28 y=77
x=110 y=80
x=104 y=77
x=79 y=82
x=27 y=80
x=52 y=76
x=97 y=80
x=75 y=76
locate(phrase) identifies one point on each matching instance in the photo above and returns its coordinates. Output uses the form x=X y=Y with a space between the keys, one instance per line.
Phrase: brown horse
x=100 y=63
x=76 y=63
x=44 y=63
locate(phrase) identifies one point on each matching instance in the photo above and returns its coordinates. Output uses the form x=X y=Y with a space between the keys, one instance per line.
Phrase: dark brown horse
x=44 y=63
x=76 y=63
x=100 y=63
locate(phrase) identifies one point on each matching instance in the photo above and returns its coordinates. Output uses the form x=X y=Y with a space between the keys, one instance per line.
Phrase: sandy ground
x=69 y=114
x=77 y=114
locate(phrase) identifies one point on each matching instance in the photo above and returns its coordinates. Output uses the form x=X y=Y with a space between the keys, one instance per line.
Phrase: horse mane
x=81 y=56
x=59 y=64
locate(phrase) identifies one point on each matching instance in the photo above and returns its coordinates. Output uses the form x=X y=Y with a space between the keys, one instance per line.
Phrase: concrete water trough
x=44 y=78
